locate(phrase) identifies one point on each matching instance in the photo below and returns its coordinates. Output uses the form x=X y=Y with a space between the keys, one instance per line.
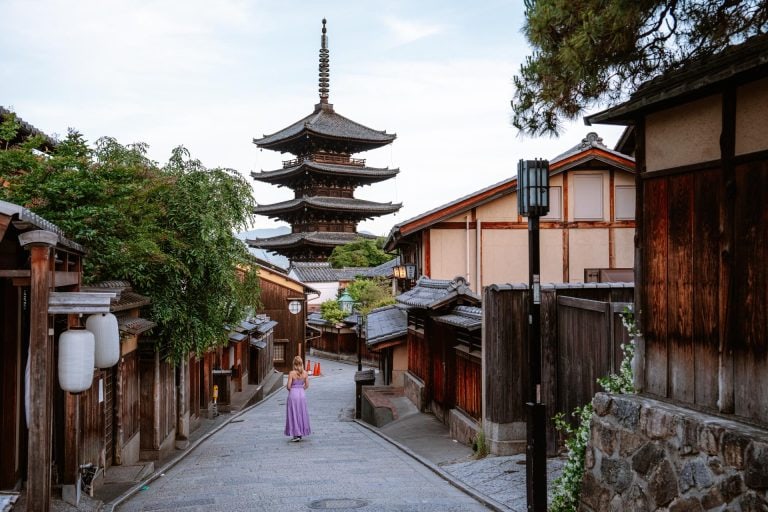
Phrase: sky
x=214 y=75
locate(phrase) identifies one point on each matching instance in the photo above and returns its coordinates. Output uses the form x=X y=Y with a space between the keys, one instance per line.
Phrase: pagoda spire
x=324 y=69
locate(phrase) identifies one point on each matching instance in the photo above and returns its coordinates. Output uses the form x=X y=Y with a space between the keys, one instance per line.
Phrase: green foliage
x=9 y=127
x=362 y=252
x=567 y=487
x=370 y=294
x=480 y=445
x=588 y=51
x=167 y=230
x=331 y=311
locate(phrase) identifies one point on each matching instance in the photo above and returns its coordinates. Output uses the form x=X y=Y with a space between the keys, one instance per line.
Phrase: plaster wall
x=328 y=291
x=751 y=116
x=501 y=209
x=504 y=256
x=449 y=254
x=573 y=196
x=700 y=121
x=399 y=364
x=624 y=247
x=588 y=249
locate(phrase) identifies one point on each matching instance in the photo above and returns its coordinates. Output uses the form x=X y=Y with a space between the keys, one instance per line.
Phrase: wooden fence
x=581 y=337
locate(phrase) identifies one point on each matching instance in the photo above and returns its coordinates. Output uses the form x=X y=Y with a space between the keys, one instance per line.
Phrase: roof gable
x=436 y=293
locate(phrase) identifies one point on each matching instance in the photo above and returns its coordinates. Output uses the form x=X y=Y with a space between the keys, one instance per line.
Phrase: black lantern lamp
x=533 y=188
x=533 y=202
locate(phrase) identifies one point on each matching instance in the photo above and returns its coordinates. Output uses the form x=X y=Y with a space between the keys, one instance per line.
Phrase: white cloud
x=408 y=31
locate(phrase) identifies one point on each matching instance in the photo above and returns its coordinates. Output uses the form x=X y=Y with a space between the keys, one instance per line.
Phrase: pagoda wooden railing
x=325 y=159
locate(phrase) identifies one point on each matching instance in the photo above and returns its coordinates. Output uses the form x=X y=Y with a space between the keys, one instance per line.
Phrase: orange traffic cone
x=317 y=370
x=308 y=366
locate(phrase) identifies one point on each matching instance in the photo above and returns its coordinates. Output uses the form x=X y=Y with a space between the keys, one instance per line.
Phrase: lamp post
x=533 y=202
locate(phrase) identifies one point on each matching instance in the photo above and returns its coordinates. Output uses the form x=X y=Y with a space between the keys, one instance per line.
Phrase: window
x=294 y=307
x=625 y=203
x=555 y=204
x=588 y=197
x=279 y=352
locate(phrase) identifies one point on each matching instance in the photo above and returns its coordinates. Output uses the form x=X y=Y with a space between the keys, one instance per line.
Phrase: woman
x=297 y=417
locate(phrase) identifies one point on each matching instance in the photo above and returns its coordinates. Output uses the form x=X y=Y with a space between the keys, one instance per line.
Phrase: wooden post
x=39 y=243
x=725 y=400
x=71 y=465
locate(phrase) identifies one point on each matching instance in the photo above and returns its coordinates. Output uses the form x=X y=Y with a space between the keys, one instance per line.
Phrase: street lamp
x=346 y=302
x=533 y=202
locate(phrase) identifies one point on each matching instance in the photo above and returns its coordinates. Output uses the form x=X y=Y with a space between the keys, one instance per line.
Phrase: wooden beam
x=726 y=313
x=638 y=362
x=40 y=244
x=15 y=273
x=5 y=221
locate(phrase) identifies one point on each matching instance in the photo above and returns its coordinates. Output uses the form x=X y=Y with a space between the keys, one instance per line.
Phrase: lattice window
x=279 y=353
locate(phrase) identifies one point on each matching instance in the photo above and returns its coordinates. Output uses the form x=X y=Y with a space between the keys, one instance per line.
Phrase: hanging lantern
x=76 y=352
x=104 y=329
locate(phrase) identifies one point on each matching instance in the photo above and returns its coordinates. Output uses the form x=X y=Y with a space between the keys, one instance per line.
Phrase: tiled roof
x=267 y=326
x=314 y=272
x=237 y=336
x=27 y=129
x=730 y=65
x=343 y=204
x=325 y=239
x=432 y=293
x=591 y=141
x=128 y=300
x=325 y=122
x=385 y=323
x=385 y=269
x=23 y=214
x=367 y=174
x=468 y=317
x=350 y=273
x=134 y=325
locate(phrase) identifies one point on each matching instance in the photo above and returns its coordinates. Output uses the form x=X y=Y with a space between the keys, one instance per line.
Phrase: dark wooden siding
x=468 y=384
x=194 y=387
x=418 y=353
x=681 y=293
x=92 y=423
x=291 y=327
x=130 y=398
x=158 y=400
x=11 y=375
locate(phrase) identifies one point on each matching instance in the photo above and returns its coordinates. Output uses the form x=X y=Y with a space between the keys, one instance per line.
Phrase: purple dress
x=296 y=414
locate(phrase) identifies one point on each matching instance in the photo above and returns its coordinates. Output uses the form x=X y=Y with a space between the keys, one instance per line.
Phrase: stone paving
x=250 y=465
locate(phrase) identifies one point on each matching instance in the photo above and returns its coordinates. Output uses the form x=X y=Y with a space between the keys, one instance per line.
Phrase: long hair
x=298 y=365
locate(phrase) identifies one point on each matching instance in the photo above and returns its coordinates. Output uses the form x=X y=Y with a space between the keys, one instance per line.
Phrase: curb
x=110 y=507
x=485 y=500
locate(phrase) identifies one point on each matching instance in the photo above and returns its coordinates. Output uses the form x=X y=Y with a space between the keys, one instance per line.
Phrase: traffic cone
x=308 y=366
x=317 y=370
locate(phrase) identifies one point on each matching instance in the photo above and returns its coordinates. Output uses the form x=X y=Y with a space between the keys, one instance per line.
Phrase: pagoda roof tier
x=347 y=206
x=327 y=130
x=361 y=174
x=297 y=243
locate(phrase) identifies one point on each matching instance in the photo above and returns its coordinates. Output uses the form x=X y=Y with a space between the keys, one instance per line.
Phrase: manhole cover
x=337 y=504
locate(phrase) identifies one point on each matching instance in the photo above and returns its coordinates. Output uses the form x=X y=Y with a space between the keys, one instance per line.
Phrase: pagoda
x=324 y=211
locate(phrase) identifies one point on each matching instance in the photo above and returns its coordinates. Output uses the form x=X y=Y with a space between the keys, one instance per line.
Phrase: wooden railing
x=325 y=159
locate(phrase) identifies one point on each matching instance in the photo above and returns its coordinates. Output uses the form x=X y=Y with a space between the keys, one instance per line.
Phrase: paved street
x=250 y=465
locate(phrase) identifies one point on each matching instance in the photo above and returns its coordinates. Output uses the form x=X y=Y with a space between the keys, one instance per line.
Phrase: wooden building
x=284 y=300
x=37 y=263
x=701 y=274
x=323 y=175
x=587 y=235
x=443 y=326
x=386 y=333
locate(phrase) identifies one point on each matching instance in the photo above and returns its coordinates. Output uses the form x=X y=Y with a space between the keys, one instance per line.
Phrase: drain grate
x=337 y=504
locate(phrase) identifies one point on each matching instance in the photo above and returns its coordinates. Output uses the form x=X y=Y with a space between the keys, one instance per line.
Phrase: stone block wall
x=646 y=455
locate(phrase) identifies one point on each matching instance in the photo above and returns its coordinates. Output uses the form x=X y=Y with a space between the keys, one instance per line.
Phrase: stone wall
x=646 y=455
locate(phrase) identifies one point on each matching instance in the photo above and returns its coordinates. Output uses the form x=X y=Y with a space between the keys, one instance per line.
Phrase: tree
x=587 y=52
x=168 y=230
x=331 y=311
x=370 y=294
x=362 y=252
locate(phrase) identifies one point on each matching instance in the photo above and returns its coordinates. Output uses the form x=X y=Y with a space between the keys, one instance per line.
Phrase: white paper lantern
x=104 y=329
x=76 y=352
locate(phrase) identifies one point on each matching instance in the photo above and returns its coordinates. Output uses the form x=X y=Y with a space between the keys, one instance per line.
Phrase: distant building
x=588 y=234
x=324 y=212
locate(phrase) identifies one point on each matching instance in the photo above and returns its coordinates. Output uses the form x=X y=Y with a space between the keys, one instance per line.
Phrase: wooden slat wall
x=706 y=263
x=167 y=399
x=680 y=288
x=11 y=369
x=505 y=331
x=418 y=355
x=750 y=336
x=654 y=290
x=468 y=386
x=289 y=326
x=130 y=403
x=92 y=423
x=194 y=387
